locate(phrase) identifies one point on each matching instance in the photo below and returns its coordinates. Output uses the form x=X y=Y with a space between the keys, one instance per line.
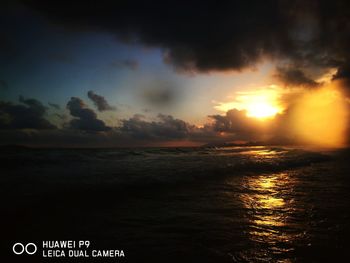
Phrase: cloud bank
x=318 y=116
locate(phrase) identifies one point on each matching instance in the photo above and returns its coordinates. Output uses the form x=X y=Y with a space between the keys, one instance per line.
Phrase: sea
x=201 y=204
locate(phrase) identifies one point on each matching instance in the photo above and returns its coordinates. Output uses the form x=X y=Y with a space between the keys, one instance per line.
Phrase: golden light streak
x=320 y=117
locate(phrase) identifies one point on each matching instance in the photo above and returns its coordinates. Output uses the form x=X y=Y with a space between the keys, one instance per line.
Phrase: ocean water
x=229 y=204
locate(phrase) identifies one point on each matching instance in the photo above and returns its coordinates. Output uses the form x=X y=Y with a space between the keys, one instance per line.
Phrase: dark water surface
x=233 y=204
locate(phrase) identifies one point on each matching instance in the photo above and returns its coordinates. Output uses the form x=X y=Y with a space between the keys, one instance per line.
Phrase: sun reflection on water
x=263 y=152
x=268 y=205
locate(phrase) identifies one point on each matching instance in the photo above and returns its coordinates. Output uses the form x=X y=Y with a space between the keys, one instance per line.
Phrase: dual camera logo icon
x=29 y=248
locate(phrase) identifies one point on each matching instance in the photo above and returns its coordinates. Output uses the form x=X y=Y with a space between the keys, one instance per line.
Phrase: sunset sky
x=117 y=74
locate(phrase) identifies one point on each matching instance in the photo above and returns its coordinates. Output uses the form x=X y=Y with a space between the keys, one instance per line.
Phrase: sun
x=260 y=104
x=261 y=110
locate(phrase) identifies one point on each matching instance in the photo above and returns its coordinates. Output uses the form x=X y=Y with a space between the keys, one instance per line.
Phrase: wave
x=151 y=166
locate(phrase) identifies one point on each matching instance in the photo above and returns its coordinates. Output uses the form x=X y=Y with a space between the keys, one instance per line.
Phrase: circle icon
x=16 y=251
x=34 y=248
x=29 y=248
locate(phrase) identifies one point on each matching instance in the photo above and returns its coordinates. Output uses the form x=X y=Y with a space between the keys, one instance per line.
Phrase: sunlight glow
x=260 y=104
x=261 y=109
x=320 y=117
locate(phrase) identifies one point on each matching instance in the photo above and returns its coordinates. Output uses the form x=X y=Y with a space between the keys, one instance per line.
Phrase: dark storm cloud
x=28 y=116
x=295 y=77
x=166 y=127
x=214 y=35
x=86 y=118
x=125 y=63
x=100 y=102
x=201 y=36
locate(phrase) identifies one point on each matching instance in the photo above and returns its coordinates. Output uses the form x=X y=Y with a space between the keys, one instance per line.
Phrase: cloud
x=166 y=127
x=34 y=104
x=138 y=131
x=234 y=125
x=295 y=77
x=86 y=118
x=100 y=102
x=134 y=131
x=237 y=123
x=27 y=116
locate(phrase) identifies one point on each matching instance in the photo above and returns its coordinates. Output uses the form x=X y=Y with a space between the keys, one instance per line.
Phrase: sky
x=113 y=73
